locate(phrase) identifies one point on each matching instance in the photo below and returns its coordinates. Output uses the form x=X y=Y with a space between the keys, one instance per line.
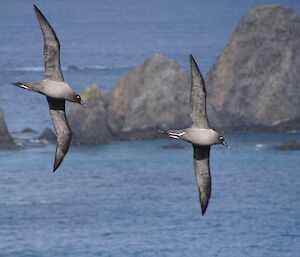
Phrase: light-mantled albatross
x=200 y=135
x=54 y=88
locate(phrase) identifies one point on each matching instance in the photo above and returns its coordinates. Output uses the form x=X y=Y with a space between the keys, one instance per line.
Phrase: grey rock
x=155 y=95
x=6 y=140
x=48 y=135
x=290 y=145
x=73 y=67
x=254 y=85
x=28 y=130
x=89 y=125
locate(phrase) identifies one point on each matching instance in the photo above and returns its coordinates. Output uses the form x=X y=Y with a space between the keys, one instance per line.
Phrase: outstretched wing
x=51 y=49
x=198 y=97
x=62 y=129
x=202 y=174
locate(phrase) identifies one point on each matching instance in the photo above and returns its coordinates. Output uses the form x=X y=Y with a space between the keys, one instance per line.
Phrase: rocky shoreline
x=253 y=86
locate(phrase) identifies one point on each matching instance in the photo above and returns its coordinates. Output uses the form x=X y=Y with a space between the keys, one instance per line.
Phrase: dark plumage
x=54 y=88
x=200 y=135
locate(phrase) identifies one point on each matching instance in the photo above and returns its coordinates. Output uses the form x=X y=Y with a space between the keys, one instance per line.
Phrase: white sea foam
x=259 y=145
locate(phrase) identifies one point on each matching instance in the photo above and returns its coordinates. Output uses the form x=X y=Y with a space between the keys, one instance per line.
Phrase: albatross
x=200 y=135
x=54 y=88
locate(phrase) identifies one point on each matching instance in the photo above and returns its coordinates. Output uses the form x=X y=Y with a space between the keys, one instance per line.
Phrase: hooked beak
x=225 y=144
x=83 y=104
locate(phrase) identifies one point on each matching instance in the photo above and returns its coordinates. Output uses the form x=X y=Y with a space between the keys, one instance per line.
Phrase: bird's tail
x=24 y=85
x=32 y=86
x=173 y=133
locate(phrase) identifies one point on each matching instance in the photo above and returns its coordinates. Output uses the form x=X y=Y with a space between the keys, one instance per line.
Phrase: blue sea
x=135 y=198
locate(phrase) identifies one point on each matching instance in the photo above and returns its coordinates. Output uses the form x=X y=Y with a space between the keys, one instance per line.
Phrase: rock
x=48 y=135
x=155 y=95
x=254 y=85
x=73 y=67
x=173 y=146
x=89 y=125
x=6 y=140
x=290 y=145
x=28 y=130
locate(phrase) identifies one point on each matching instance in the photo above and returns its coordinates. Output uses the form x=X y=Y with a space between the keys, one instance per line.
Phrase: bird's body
x=54 y=88
x=197 y=136
x=50 y=88
x=200 y=135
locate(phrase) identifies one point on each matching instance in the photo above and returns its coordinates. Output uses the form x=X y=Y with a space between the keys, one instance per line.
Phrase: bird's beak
x=225 y=144
x=83 y=104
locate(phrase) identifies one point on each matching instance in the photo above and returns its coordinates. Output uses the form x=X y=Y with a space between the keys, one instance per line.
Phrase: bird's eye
x=78 y=97
x=221 y=137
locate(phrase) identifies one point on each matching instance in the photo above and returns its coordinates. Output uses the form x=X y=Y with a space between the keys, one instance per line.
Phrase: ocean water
x=135 y=198
x=140 y=199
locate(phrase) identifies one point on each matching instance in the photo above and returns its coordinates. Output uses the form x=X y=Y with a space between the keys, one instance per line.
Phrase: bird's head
x=77 y=99
x=222 y=141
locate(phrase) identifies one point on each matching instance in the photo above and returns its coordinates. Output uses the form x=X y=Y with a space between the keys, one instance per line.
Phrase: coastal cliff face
x=255 y=83
x=89 y=125
x=6 y=140
x=153 y=96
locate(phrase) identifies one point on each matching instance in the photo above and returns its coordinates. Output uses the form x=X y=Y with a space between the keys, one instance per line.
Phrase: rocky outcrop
x=290 y=145
x=48 y=135
x=6 y=140
x=28 y=130
x=254 y=85
x=153 y=96
x=89 y=125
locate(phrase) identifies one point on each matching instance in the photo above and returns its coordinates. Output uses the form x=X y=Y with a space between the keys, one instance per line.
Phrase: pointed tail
x=173 y=133
x=23 y=85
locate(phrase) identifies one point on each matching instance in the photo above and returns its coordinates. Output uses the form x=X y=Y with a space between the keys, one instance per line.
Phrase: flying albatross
x=200 y=135
x=54 y=88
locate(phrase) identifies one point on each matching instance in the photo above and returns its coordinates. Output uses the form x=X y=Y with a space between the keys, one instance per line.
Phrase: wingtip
x=35 y=8
x=203 y=203
x=195 y=72
x=193 y=62
x=56 y=165
x=192 y=58
x=37 y=11
x=58 y=160
x=203 y=209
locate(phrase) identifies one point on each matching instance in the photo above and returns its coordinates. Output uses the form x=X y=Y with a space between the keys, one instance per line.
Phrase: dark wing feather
x=202 y=173
x=198 y=97
x=51 y=49
x=62 y=129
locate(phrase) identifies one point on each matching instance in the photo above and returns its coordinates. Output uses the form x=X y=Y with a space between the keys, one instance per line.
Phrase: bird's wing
x=62 y=129
x=202 y=174
x=51 y=49
x=198 y=97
